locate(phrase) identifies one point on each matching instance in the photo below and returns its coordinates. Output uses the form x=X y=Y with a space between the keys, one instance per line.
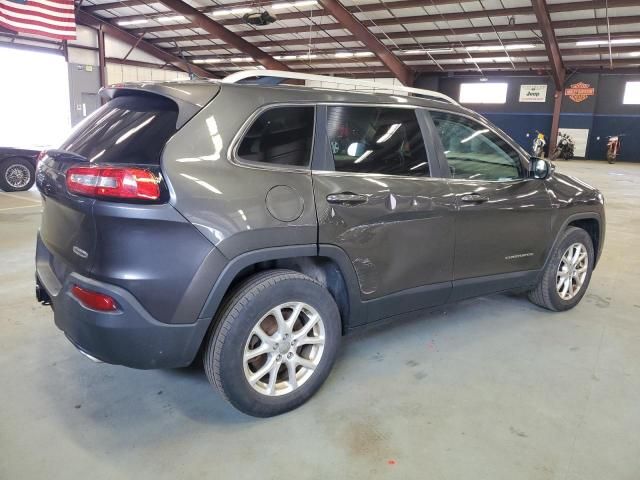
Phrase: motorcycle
x=538 y=145
x=613 y=148
x=564 y=148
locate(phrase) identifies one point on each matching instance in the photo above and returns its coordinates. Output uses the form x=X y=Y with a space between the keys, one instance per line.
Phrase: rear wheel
x=274 y=344
x=566 y=277
x=16 y=175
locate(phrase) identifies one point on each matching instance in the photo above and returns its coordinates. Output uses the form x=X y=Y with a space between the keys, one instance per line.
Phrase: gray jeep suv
x=258 y=224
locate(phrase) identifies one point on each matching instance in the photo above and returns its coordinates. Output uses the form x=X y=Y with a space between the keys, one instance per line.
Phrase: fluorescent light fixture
x=474 y=135
x=241 y=59
x=635 y=54
x=389 y=133
x=419 y=51
x=500 y=48
x=138 y=21
x=301 y=3
x=241 y=10
x=617 y=41
x=233 y=11
x=352 y=54
x=208 y=60
x=486 y=59
x=296 y=57
x=172 y=18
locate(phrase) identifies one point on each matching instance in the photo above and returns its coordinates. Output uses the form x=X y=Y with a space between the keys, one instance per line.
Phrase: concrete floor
x=492 y=388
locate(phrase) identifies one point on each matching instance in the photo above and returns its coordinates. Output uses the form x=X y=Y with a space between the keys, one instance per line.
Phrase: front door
x=503 y=221
x=378 y=200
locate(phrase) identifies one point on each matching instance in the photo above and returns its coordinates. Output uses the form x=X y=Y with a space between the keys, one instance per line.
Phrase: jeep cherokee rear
x=259 y=224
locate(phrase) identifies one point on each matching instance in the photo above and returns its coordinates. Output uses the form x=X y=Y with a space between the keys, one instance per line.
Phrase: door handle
x=474 y=198
x=346 y=198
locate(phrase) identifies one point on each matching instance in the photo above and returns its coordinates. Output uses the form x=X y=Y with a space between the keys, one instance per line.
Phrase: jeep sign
x=533 y=93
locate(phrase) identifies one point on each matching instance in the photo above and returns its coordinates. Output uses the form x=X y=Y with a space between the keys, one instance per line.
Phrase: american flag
x=50 y=18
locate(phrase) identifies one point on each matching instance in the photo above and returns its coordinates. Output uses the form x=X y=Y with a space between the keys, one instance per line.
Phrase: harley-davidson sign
x=579 y=92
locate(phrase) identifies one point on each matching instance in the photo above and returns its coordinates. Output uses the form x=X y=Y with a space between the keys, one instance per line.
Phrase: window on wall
x=474 y=152
x=280 y=136
x=377 y=140
x=483 y=92
x=632 y=93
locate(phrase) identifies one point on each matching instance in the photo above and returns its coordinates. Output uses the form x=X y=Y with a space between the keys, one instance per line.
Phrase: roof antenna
x=192 y=76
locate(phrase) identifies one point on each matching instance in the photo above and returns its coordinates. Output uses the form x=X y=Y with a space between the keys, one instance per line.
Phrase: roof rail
x=237 y=77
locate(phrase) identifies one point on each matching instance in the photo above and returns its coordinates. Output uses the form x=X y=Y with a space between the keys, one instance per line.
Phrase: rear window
x=280 y=136
x=129 y=129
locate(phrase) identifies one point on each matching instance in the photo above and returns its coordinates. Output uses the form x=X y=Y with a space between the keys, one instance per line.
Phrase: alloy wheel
x=17 y=176
x=572 y=271
x=284 y=348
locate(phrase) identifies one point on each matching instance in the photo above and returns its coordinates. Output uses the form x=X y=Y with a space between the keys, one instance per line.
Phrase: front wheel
x=275 y=341
x=16 y=175
x=566 y=276
x=611 y=157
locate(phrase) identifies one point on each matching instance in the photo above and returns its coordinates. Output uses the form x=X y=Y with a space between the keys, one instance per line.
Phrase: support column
x=102 y=64
x=555 y=121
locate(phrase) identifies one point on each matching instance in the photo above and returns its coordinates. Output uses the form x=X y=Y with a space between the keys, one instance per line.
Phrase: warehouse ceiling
x=389 y=38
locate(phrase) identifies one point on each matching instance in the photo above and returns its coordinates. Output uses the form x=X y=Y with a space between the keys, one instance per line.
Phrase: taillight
x=94 y=300
x=113 y=182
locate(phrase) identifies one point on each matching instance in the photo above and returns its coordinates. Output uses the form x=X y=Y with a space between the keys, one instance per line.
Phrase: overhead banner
x=533 y=93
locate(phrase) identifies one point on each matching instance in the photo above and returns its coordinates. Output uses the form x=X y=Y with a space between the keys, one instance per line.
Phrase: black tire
x=11 y=163
x=223 y=357
x=545 y=294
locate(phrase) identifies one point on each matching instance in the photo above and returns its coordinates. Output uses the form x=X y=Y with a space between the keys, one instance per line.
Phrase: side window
x=280 y=136
x=475 y=152
x=376 y=140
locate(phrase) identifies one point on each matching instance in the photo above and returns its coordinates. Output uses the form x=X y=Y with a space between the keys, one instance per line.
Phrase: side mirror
x=539 y=168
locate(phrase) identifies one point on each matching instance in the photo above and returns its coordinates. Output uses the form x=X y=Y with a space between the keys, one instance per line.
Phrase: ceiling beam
x=550 y=42
x=300 y=13
x=201 y=20
x=375 y=7
x=412 y=46
x=382 y=22
x=92 y=21
x=478 y=57
x=506 y=68
x=364 y=35
x=434 y=32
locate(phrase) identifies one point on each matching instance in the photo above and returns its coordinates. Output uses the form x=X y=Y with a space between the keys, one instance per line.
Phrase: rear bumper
x=129 y=336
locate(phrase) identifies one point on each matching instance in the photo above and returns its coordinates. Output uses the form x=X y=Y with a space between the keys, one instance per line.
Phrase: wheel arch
x=328 y=265
x=9 y=158
x=590 y=222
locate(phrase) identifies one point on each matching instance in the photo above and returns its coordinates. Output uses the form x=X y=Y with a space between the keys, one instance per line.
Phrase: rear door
x=379 y=198
x=502 y=226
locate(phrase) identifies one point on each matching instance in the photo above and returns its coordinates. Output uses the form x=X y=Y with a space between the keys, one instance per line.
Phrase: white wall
x=117 y=73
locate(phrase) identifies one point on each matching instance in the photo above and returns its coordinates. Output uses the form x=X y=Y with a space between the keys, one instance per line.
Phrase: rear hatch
x=128 y=132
